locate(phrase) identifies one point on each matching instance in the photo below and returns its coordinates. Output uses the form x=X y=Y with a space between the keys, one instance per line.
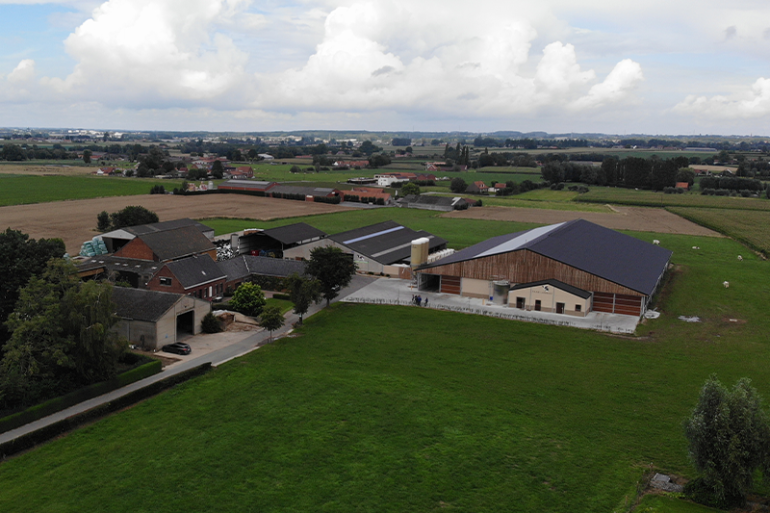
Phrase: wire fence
x=489 y=313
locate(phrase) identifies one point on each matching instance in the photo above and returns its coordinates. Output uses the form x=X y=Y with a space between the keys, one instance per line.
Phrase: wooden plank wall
x=525 y=266
x=617 y=303
x=450 y=284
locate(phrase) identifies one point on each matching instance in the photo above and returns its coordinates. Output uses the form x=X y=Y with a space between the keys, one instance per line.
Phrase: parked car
x=177 y=348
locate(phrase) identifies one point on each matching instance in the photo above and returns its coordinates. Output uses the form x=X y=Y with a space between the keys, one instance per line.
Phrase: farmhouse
x=198 y=276
x=152 y=319
x=375 y=248
x=477 y=188
x=571 y=268
x=168 y=245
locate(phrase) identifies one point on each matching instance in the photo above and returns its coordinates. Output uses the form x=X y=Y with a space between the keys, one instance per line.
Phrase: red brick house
x=198 y=276
x=168 y=245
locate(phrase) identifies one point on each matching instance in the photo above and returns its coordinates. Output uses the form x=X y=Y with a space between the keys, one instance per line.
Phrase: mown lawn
x=751 y=227
x=18 y=190
x=617 y=195
x=407 y=409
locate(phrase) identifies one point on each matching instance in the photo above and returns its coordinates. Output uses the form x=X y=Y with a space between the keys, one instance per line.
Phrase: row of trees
x=129 y=216
x=634 y=172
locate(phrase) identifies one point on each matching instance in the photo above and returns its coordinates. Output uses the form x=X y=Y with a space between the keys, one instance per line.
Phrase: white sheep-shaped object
x=726 y=284
x=696 y=247
x=656 y=242
x=740 y=258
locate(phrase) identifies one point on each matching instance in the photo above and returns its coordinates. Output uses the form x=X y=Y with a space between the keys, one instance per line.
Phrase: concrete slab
x=392 y=291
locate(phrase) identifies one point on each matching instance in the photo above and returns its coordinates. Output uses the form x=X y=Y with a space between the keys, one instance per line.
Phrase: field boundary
x=44 y=434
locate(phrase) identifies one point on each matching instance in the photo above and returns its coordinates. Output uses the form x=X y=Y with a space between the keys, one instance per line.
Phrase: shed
x=151 y=319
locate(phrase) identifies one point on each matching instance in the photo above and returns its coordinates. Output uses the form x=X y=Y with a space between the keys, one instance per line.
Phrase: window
x=165 y=281
x=578 y=308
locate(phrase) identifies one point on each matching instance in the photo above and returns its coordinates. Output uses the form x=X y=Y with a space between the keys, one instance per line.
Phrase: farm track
x=626 y=218
x=75 y=221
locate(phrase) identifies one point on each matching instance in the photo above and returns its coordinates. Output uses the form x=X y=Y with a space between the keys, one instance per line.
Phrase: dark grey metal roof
x=143 y=305
x=247 y=184
x=294 y=233
x=247 y=265
x=555 y=283
x=112 y=263
x=307 y=191
x=431 y=199
x=611 y=255
x=177 y=243
x=195 y=271
x=387 y=242
x=143 y=229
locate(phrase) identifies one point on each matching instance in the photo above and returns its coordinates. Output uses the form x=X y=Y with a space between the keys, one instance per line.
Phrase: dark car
x=177 y=348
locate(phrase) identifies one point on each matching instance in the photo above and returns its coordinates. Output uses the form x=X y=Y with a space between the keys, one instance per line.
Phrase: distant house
x=265 y=156
x=477 y=188
x=368 y=192
x=168 y=245
x=243 y=172
x=310 y=193
x=496 y=187
x=683 y=185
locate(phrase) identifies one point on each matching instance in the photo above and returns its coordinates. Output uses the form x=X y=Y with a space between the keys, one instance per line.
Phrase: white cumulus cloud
x=752 y=104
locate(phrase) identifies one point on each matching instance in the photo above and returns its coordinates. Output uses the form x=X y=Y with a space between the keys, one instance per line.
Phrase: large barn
x=568 y=268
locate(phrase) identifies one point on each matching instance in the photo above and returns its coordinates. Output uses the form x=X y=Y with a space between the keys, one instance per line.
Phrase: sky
x=560 y=66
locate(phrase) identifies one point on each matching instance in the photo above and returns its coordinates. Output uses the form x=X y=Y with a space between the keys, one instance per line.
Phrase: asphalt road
x=215 y=358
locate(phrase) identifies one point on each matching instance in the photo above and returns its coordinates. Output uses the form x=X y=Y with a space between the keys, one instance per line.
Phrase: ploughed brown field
x=624 y=218
x=75 y=221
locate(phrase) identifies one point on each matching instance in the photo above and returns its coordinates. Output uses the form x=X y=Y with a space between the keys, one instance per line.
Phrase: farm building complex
x=568 y=268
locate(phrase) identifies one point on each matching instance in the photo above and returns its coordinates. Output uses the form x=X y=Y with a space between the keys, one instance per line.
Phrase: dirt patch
x=624 y=218
x=75 y=221
x=46 y=170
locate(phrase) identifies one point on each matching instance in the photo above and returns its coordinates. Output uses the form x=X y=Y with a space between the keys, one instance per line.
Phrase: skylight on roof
x=383 y=232
x=521 y=240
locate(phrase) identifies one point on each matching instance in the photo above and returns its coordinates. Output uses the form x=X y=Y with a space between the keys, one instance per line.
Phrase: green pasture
x=620 y=196
x=375 y=408
x=751 y=227
x=42 y=189
x=654 y=503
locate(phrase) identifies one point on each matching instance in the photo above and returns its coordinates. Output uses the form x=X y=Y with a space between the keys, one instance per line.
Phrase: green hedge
x=282 y=296
x=28 y=441
x=57 y=404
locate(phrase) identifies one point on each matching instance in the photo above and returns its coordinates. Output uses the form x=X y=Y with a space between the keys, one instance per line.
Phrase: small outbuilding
x=151 y=319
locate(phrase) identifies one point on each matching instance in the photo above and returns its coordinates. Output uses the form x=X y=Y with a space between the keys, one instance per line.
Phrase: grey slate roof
x=177 y=243
x=143 y=305
x=143 y=229
x=387 y=242
x=589 y=247
x=555 y=283
x=194 y=271
x=294 y=233
x=247 y=265
x=112 y=263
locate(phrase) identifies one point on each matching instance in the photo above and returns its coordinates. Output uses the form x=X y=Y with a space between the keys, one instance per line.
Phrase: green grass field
x=41 y=189
x=751 y=227
x=621 y=196
x=406 y=409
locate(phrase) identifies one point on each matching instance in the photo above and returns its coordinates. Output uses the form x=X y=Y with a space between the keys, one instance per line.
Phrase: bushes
x=673 y=190
x=57 y=404
x=286 y=297
x=39 y=436
x=158 y=189
x=210 y=324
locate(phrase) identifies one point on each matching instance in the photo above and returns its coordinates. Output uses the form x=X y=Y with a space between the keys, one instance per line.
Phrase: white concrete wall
x=475 y=288
x=549 y=298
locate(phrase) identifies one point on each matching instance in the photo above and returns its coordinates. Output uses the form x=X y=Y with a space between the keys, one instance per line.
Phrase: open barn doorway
x=185 y=325
x=429 y=282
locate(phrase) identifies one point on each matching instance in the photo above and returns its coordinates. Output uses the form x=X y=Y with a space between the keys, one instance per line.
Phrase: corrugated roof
x=249 y=184
x=177 y=243
x=387 y=242
x=294 y=233
x=167 y=225
x=195 y=271
x=307 y=191
x=143 y=305
x=589 y=247
x=247 y=265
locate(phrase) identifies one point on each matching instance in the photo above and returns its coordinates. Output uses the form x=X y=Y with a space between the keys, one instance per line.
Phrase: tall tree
x=132 y=216
x=20 y=259
x=272 y=319
x=303 y=292
x=248 y=299
x=729 y=437
x=332 y=268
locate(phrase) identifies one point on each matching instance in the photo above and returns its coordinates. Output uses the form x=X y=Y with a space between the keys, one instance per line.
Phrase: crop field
x=617 y=195
x=407 y=409
x=16 y=190
x=751 y=227
x=41 y=168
